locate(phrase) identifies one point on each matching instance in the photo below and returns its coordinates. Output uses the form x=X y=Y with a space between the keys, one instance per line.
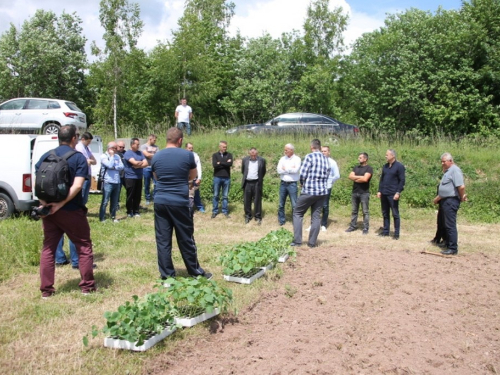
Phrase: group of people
x=176 y=173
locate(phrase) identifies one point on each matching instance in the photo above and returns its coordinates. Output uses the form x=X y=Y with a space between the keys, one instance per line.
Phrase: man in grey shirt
x=451 y=192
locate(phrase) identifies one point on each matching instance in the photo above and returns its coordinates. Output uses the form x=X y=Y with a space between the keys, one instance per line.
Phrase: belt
x=252 y=180
x=288 y=182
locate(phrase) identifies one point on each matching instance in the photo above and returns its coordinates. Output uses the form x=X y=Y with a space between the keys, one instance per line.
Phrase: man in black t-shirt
x=361 y=176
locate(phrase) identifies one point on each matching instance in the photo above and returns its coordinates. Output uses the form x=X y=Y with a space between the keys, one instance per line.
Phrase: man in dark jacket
x=253 y=169
x=222 y=162
x=392 y=183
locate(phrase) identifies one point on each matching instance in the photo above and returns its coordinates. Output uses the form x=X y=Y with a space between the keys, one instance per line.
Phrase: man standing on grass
x=314 y=174
x=112 y=165
x=149 y=150
x=392 y=183
x=253 y=169
x=68 y=216
x=184 y=114
x=174 y=169
x=134 y=163
x=197 y=198
x=360 y=176
x=288 y=169
x=222 y=162
x=451 y=192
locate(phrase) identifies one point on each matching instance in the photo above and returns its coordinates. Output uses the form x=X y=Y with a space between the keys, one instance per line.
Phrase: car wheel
x=6 y=206
x=50 y=128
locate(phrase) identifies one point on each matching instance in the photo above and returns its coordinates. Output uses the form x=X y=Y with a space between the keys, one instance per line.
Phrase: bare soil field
x=381 y=307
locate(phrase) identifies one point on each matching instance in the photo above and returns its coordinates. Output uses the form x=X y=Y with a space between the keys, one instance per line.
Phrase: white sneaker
x=323 y=228
x=308 y=229
x=116 y=221
x=137 y=215
x=147 y=203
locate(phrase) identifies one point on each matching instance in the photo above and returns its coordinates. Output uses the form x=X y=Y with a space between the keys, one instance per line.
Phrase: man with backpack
x=60 y=175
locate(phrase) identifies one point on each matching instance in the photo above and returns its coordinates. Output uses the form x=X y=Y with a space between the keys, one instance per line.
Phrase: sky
x=252 y=18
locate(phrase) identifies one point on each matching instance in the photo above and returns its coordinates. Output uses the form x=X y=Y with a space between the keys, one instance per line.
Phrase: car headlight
x=231 y=131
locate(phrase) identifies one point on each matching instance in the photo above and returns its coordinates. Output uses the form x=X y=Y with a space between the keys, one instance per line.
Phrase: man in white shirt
x=183 y=114
x=334 y=176
x=288 y=169
x=197 y=198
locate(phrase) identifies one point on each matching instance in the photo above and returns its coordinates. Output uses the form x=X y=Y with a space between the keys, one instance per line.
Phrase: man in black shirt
x=222 y=162
x=392 y=183
x=361 y=176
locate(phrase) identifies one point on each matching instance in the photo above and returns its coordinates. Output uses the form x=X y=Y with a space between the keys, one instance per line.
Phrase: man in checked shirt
x=314 y=174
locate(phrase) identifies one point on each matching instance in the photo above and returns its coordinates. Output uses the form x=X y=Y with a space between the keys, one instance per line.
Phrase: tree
x=123 y=26
x=45 y=58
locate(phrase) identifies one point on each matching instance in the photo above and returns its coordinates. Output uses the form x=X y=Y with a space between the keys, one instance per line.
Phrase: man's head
x=174 y=137
x=316 y=145
x=390 y=156
x=68 y=135
x=184 y=101
x=112 y=147
x=289 y=150
x=86 y=138
x=326 y=151
x=134 y=144
x=253 y=153
x=222 y=146
x=120 y=146
x=189 y=146
x=363 y=158
x=446 y=161
x=152 y=139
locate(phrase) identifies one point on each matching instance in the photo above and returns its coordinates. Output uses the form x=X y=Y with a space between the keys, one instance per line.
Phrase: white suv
x=40 y=115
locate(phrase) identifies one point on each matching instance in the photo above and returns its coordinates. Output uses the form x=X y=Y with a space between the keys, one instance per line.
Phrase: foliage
x=279 y=240
x=191 y=295
x=138 y=320
x=45 y=58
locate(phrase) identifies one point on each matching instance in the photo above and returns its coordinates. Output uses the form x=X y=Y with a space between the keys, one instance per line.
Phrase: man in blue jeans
x=360 y=176
x=149 y=150
x=112 y=165
x=288 y=170
x=222 y=162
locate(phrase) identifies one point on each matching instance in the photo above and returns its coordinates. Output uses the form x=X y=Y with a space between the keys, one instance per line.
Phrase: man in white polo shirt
x=183 y=114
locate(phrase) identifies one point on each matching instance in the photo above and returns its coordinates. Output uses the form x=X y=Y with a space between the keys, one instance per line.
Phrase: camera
x=37 y=212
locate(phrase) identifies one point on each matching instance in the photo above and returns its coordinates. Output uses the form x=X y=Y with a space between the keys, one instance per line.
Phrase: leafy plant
x=138 y=320
x=194 y=296
x=279 y=240
x=247 y=256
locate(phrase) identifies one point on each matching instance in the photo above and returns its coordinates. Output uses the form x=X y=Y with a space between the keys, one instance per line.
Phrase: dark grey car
x=300 y=123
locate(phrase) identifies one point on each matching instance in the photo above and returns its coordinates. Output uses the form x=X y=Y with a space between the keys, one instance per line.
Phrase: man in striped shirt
x=314 y=174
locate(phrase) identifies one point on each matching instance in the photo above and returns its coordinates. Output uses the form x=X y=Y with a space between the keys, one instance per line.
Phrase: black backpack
x=52 y=177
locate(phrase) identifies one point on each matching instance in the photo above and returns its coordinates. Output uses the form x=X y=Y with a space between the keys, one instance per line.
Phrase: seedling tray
x=246 y=278
x=191 y=321
x=283 y=258
x=110 y=342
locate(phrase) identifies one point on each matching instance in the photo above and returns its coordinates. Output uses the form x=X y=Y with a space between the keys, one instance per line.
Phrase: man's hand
x=396 y=196
x=379 y=194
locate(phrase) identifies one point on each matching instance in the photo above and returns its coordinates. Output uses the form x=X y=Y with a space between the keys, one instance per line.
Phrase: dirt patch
x=364 y=311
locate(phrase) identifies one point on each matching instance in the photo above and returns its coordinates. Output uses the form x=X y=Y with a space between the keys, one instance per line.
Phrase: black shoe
x=94 y=266
x=62 y=264
x=396 y=237
x=311 y=246
x=365 y=231
x=227 y=216
x=383 y=234
x=259 y=221
x=207 y=275
x=247 y=220
x=449 y=252
x=350 y=229
x=281 y=224
x=213 y=216
x=295 y=244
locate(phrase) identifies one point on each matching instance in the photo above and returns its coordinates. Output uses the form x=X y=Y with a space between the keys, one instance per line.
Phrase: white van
x=19 y=153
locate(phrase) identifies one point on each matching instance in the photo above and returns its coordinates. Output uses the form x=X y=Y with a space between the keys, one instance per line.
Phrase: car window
x=287 y=119
x=312 y=119
x=54 y=105
x=72 y=106
x=13 y=105
x=37 y=104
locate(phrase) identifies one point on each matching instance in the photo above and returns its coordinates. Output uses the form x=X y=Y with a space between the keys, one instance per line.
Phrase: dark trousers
x=389 y=204
x=450 y=208
x=166 y=219
x=441 y=235
x=326 y=209
x=134 y=190
x=356 y=200
x=303 y=203
x=76 y=227
x=252 y=193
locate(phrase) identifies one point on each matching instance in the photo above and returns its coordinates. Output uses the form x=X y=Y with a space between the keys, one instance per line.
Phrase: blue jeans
x=197 y=201
x=86 y=190
x=286 y=189
x=326 y=209
x=221 y=183
x=389 y=204
x=148 y=176
x=111 y=193
x=61 y=256
x=187 y=125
